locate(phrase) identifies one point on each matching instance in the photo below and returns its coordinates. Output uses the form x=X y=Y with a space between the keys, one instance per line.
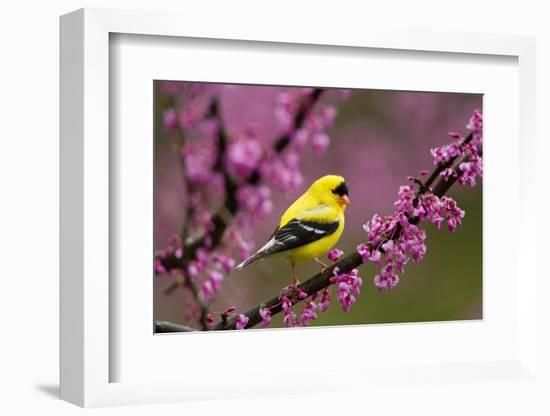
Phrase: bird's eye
x=341 y=189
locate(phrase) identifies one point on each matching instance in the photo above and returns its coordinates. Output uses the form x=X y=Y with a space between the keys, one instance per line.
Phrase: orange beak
x=345 y=200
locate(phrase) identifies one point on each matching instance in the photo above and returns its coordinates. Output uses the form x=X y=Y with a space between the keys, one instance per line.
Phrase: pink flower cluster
x=241 y=321
x=289 y=316
x=447 y=152
x=348 y=285
x=395 y=239
x=472 y=168
x=255 y=202
x=283 y=171
x=244 y=155
x=292 y=294
x=265 y=313
x=215 y=264
x=199 y=158
x=335 y=254
x=324 y=301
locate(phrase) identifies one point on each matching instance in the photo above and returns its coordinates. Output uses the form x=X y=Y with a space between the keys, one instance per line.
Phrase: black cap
x=341 y=189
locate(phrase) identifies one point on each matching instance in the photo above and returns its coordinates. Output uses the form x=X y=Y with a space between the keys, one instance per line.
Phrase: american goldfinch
x=310 y=227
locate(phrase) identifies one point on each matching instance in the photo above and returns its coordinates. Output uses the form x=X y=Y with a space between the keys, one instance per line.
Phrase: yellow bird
x=310 y=227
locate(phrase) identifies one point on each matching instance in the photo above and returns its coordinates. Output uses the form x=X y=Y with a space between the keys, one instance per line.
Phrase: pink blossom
x=210 y=128
x=471 y=169
x=285 y=109
x=452 y=213
x=387 y=279
x=431 y=207
x=348 y=287
x=202 y=220
x=202 y=257
x=226 y=263
x=193 y=269
x=170 y=119
x=308 y=313
x=446 y=152
x=283 y=171
x=328 y=114
x=255 y=200
x=475 y=124
x=241 y=321
x=300 y=138
x=292 y=290
x=199 y=159
x=289 y=317
x=324 y=302
x=314 y=123
x=320 y=142
x=197 y=100
x=265 y=313
x=159 y=268
x=212 y=284
x=448 y=173
x=373 y=256
x=243 y=157
x=207 y=290
x=335 y=254
x=380 y=228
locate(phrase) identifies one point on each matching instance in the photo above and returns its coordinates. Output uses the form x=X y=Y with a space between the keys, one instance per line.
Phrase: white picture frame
x=86 y=294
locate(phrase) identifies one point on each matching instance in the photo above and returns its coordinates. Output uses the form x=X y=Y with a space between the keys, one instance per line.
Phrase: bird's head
x=332 y=188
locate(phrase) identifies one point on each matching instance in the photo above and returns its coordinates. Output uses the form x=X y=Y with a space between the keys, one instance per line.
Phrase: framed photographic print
x=234 y=162
x=235 y=206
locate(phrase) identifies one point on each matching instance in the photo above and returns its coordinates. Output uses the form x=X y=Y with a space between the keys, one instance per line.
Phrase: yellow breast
x=317 y=248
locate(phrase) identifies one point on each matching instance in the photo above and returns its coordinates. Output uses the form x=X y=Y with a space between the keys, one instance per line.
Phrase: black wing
x=298 y=233
x=294 y=234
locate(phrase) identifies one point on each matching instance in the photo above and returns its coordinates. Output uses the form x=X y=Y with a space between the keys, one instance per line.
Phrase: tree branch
x=165 y=326
x=351 y=261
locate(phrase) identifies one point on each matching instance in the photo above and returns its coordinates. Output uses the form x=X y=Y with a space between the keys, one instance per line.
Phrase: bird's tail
x=256 y=256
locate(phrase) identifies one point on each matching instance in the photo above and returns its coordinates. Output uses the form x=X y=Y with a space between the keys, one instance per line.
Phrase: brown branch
x=165 y=326
x=347 y=263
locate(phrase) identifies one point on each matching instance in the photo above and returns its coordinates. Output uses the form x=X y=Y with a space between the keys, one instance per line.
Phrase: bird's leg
x=295 y=280
x=323 y=265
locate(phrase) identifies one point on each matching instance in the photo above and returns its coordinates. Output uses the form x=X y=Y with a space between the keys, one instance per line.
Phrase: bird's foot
x=323 y=265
